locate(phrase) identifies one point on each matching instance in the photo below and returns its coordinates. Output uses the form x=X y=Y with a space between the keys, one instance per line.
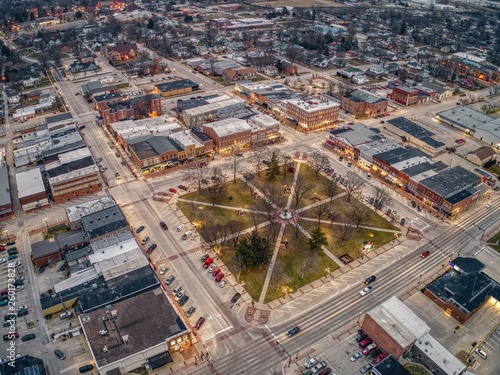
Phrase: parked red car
x=216 y=272
x=152 y=248
x=425 y=254
x=365 y=342
x=172 y=190
x=380 y=357
x=199 y=323
x=208 y=262
x=219 y=277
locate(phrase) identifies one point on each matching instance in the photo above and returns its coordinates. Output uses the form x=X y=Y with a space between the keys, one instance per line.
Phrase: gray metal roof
x=365 y=96
x=415 y=130
x=451 y=181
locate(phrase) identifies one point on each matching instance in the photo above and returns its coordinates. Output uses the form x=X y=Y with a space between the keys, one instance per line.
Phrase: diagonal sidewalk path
x=278 y=242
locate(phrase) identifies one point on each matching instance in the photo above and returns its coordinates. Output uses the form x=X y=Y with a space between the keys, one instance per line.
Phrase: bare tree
x=343 y=232
x=321 y=210
x=300 y=188
x=234 y=228
x=359 y=214
x=382 y=197
x=259 y=154
x=308 y=261
x=216 y=186
x=196 y=175
x=296 y=220
x=318 y=161
x=239 y=259
x=216 y=235
x=272 y=199
x=332 y=188
x=355 y=182
x=235 y=161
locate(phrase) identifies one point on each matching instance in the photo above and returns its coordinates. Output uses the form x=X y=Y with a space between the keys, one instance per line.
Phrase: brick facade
x=77 y=187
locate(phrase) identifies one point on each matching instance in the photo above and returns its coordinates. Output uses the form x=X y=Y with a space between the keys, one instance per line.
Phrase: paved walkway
x=278 y=241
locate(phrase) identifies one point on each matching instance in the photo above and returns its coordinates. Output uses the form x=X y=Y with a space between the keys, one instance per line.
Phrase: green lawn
x=354 y=245
x=294 y=266
x=493 y=240
x=237 y=195
x=495 y=168
x=318 y=185
x=416 y=369
x=341 y=208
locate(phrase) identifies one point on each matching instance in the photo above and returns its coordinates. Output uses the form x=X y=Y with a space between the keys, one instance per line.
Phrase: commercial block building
x=312 y=113
x=214 y=110
x=73 y=174
x=175 y=88
x=129 y=109
x=364 y=103
x=6 y=207
x=409 y=96
x=104 y=223
x=31 y=189
x=228 y=133
x=415 y=134
x=75 y=213
x=127 y=334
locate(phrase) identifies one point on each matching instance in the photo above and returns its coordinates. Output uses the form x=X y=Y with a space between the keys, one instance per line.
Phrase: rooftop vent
x=105 y=349
x=103 y=332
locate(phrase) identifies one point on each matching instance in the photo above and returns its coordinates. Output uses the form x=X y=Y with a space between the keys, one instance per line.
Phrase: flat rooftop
x=399 y=320
x=29 y=182
x=451 y=181
x=311 y=105
x=228 y=126
x=415 y=131
x=74 y=213
x=213 y=107
x=176 y=85
x=136 y=327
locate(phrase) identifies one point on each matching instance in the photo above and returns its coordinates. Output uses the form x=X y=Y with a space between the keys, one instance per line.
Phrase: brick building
x=228 y=133
x=312 y=113
x=31 y=189
x=464 y=289
x=364 y=103
x=404 y=95
x=6 y=207
x=73 y=174
x=130 y=109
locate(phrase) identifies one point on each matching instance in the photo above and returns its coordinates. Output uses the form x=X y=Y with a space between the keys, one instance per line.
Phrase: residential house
x=121 y=52
x=79 y=67
x=482 y=155
x=13 y=97
x=321 y=62
x=270 y=71
x=239 y=74
x=31 y=79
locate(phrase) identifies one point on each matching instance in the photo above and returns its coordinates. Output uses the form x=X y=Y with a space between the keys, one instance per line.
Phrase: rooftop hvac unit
x=103 y=332
x=105 y=349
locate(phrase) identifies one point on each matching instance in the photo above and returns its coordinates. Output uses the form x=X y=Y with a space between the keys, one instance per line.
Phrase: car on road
x=425 y=254
x=355 y=357
x=186 y=235
x=183 y=187
x=190 y=311
x=204 y=258
x=216 y=271
x=59 y=354
x=152 y=248
x=170 y=279
x=235 y=298
x=212 y=268
x=180 y=227
x=140 y=229
x=365 y=342
x=293 y=331
x=365 y=368
x=370 y=279
x=369 y=348
x=222 y=284
x=379 y=358
x=163 y=225
x=163 y=270
x=402 y=222
x=366 y=290
x=208 y=262
x=199 y=323
x=172 y=190
x=183 y=300
x=85 y=368
x=28 y=337
x=488 y=205
x=219 y=277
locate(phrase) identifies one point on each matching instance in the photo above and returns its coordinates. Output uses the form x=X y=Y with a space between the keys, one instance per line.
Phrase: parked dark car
x=152 y=248
x=361 y=337
x=140 y=229
x=235 y=298
x=85 y=368
x=183 y=300
x=204 y=258
x=370 y=279
x=28 y=337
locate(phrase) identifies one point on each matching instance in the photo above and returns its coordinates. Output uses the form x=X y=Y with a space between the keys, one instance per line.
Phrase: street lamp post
x=297 y=355
x=420 y=277
x=359 y=317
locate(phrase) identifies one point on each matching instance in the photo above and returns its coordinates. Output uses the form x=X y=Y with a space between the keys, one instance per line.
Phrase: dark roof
x=160 y=360
x=183 y=104
x=467 y=265
x=451 y=181
x=152 y=146
x=70 y=294
x=60 y=117
x=25 y=365
x=122 y=48
x=399 y=154
x=107 y=96
x=71 y=166
x=120 y=288
x=137 y=318
x=389 y=366
x=202 y=137
x=459 y=197
x=417 y=169
x=77 y=254
x=415 y=130
x=44 y=248
x=341 y=130
x=124 y=104
x=101 y=89
x=70 y=239
x=105 y=221
x=176 y=85
x=466 y=291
